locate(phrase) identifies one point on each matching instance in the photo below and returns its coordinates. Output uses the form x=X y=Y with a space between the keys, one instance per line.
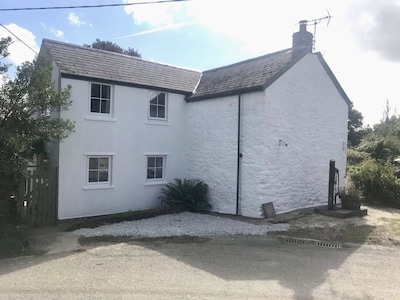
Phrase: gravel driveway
x=182 y=224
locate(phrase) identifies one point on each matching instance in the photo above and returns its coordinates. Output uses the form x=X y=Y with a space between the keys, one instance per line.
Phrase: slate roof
x=248 y=75
x=84 y=62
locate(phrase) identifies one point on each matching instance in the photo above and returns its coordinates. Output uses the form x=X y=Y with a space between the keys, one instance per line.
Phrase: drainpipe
x=239 y=155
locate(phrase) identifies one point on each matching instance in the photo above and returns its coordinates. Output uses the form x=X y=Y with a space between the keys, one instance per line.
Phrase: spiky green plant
x=186 y=194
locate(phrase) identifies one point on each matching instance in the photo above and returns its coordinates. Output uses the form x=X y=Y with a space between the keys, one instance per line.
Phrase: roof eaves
x=123 y=83
x=334 y=79
x=194 y=98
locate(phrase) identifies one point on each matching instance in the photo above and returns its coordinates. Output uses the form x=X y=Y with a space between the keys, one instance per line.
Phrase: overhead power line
x=90 y=6
x=18 y=38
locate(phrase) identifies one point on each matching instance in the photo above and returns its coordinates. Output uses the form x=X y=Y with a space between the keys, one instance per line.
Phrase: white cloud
x=156 y=15
x=19 y=52
x=157 y=29
x=253 y=23
x=57 y=33
x=75 y=21
x=376 y=24
x=264 y=26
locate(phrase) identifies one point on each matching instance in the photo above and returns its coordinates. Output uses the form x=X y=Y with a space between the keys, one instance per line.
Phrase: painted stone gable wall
x=302 y=109
x=311 y=116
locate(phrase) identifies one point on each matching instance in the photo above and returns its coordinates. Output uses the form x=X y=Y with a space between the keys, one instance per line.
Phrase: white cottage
x=261 y=130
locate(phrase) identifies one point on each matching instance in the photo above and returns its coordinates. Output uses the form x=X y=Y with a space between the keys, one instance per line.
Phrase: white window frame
x=152 y=96
x=93 y=113
x=160 y=180
x=99 y=184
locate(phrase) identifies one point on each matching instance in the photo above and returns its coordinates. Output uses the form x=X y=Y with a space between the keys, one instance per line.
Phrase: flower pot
x=351 y=204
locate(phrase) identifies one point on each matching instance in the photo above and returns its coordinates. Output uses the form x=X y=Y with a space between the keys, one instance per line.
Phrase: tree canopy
x=355 y=123
x=112 y=47
x=373 y=159
x=26 y=105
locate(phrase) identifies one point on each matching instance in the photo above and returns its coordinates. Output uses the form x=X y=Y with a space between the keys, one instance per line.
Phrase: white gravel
x=182 y=224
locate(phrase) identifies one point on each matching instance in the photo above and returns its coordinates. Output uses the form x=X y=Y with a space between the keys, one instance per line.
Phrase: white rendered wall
x=212 y=149
x=128 y=136
x=303 y=109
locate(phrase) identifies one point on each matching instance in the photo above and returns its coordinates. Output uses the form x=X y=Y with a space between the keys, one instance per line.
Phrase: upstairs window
x=158 y=106
x=100 y=98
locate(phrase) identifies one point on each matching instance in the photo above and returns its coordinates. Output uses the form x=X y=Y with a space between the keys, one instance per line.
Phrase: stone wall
x=289 y=132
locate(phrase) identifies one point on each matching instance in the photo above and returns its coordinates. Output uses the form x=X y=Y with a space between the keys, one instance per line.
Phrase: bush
x=355 y=157
x=376 y=181
x=187 y=195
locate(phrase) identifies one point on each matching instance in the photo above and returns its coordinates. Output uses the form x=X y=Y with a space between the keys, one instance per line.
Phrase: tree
x=373 y=164
x=354 y=126
x=4 y=43
x=112 y=47
x=26 y=103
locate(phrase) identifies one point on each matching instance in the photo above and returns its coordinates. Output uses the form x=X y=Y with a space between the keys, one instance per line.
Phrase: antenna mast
x=315 y=22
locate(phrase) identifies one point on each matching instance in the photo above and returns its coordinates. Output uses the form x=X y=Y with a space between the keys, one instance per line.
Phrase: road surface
x=238 y=267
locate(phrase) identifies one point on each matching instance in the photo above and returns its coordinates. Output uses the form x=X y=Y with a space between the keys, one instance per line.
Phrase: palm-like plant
x=187 y=195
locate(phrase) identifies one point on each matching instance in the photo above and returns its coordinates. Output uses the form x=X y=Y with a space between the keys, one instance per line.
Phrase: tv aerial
x=315 y=22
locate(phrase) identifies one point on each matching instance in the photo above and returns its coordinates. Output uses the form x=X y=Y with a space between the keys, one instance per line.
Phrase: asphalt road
x=241 y=267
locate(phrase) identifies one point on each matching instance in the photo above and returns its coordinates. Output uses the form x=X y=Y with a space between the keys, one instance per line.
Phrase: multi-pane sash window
x=155 y=167
x=99 y=169
x=158 y=106
x=100 y=98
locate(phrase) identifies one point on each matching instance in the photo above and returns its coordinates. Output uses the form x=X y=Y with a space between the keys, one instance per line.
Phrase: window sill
x=149 y=183
x=155 y=122
x=97 y=187
x=100 y=118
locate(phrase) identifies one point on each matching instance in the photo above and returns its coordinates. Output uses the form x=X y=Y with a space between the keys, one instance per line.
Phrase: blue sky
x=361 y=43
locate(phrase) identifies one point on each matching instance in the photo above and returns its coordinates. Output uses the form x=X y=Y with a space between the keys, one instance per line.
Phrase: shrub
x=355 y=157
x=188 y=195
x=376 y=181
x=350 y=196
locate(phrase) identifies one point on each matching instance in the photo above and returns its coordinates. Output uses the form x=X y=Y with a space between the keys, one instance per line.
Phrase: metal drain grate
x=313 y=243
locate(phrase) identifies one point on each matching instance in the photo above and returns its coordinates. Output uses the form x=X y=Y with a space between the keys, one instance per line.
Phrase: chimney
x=302 y=40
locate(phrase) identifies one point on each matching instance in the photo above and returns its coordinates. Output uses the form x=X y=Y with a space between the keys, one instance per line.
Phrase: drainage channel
x=312 y=243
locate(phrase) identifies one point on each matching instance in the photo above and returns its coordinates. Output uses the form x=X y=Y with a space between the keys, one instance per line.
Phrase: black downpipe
x=239 y=156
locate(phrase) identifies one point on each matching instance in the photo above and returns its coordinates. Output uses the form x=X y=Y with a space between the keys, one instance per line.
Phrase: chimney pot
x=303 y=25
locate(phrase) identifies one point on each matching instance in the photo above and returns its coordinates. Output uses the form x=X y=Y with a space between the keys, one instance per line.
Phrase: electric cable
x=18 y=38
x=91 y=6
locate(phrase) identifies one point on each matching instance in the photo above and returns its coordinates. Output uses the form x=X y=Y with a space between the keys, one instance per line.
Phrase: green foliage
x=112 y=47
x=376 y=181
x=26 y=105
x=380 y=147
x=4 y=44
x=188 y=195
x=355 y=156
x=354 y=127
x=373 y=164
